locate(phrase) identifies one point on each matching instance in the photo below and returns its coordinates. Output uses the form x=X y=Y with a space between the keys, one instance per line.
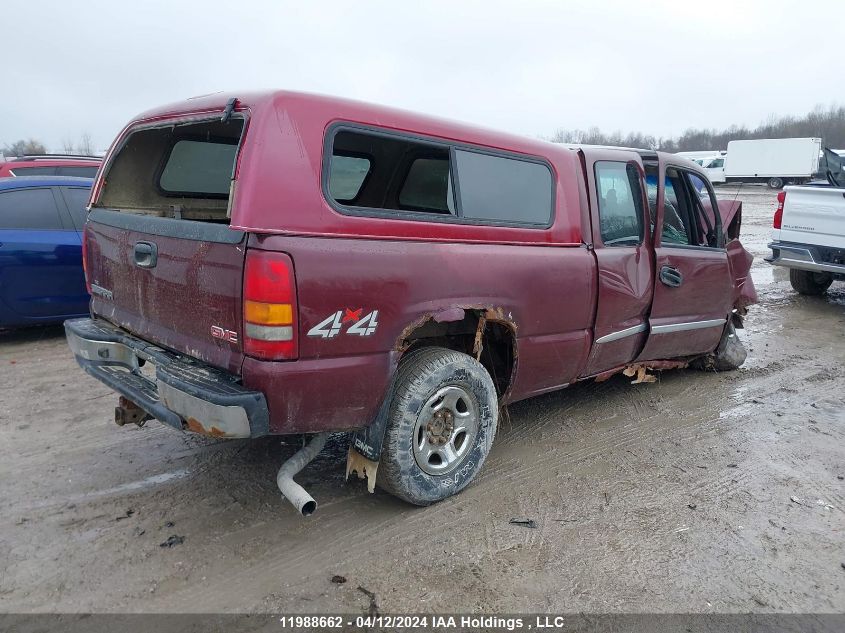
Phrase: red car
x=284 y=263
x=50 y=165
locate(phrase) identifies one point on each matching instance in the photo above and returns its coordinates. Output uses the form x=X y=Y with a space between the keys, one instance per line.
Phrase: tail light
x=270 y=331
x=85 y=269
x=776 y=222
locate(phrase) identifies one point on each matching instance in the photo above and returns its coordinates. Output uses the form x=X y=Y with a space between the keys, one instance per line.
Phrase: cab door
x=693 y=287
x=623 y=251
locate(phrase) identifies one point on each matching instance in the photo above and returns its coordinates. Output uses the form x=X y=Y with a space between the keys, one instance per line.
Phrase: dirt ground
x=700 y=492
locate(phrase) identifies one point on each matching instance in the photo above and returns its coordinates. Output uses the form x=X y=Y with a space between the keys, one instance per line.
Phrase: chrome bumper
x=802 y=257
x=182 y=392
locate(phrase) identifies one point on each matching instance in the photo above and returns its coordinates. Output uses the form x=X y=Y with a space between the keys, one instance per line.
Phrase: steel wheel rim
x=445 y=430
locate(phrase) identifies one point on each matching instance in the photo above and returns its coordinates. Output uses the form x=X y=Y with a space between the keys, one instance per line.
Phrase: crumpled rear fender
x=739 y=259
x=739 y=262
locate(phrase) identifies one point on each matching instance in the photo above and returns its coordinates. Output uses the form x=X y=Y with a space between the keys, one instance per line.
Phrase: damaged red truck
x=284 y=263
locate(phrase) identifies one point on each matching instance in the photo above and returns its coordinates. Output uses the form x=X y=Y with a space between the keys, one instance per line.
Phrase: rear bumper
x=802 y=257
x=183 y=393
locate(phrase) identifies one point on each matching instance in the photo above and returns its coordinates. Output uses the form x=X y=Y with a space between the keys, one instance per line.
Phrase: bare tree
x=24 y=147
x=86 y=145
x=67 y=146
x=827 y=124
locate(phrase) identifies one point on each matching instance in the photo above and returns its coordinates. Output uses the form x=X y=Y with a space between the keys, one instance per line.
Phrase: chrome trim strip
x=689 y=325
x=628 y=331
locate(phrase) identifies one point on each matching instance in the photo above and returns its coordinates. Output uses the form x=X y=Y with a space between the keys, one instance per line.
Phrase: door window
x=29 y=209
x=620 y=203
x=674 y=225
x=688 y=211
x=76 y=199
x=707 y=224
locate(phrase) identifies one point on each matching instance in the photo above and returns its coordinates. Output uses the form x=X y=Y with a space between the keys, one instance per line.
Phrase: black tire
x=806 y=282
x=423 y=374
x=775 y=183
x=729 y=355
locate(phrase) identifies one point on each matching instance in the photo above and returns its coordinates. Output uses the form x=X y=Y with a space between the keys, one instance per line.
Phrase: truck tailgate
x=175 y=283
x=814 y=215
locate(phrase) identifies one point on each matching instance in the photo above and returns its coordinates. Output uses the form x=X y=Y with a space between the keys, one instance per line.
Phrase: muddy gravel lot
x=701 y=492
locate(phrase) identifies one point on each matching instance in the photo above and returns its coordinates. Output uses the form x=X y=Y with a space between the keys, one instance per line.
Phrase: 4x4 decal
x=332 y=325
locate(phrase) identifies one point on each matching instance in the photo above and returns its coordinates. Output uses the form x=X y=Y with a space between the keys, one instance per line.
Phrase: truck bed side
x=546 y=292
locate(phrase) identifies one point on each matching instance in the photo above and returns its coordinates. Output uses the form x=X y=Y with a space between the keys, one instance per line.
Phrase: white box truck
x=775 y=161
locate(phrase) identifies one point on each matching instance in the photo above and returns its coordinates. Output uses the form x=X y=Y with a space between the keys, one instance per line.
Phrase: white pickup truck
x=809 y=231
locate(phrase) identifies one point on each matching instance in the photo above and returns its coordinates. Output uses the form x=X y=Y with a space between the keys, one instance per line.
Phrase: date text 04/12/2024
x=424 y=622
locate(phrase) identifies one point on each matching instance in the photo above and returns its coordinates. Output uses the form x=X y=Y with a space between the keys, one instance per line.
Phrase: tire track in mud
x=443 y=515
x=639 y=548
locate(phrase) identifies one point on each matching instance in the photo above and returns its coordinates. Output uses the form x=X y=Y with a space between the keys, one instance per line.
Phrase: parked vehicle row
x=283 y=263
x=773 y=161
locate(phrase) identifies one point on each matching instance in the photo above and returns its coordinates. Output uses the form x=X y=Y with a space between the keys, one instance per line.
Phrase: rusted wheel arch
x=485 y=333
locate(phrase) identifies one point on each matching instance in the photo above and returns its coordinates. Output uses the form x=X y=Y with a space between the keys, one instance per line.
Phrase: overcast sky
x=529 y=67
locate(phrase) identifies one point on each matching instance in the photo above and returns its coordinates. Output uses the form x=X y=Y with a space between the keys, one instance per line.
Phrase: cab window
x=620 y=203
x=707 y=225
x=674 y=225
x=688 y=211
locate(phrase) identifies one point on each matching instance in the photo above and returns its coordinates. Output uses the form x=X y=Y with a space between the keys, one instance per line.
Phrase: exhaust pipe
x=292 y=491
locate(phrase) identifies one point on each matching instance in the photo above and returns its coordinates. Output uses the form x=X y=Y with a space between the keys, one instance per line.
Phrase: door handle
x=146 y=254
x=670 y=276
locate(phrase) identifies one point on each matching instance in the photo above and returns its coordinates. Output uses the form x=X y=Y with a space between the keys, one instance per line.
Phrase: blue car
x=41 y=276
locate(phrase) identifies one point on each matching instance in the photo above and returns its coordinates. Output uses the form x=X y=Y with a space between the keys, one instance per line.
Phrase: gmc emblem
x=225 y=335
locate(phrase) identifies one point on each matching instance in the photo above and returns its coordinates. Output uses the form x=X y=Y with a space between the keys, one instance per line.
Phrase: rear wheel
x=775 y=183
x=807 y=282
x=442 y=421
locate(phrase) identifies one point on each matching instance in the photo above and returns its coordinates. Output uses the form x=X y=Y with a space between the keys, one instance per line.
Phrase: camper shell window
x=396 y=175
x=179 y=170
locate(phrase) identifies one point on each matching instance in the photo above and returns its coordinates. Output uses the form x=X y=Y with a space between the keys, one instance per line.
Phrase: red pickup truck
x=285 y=263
